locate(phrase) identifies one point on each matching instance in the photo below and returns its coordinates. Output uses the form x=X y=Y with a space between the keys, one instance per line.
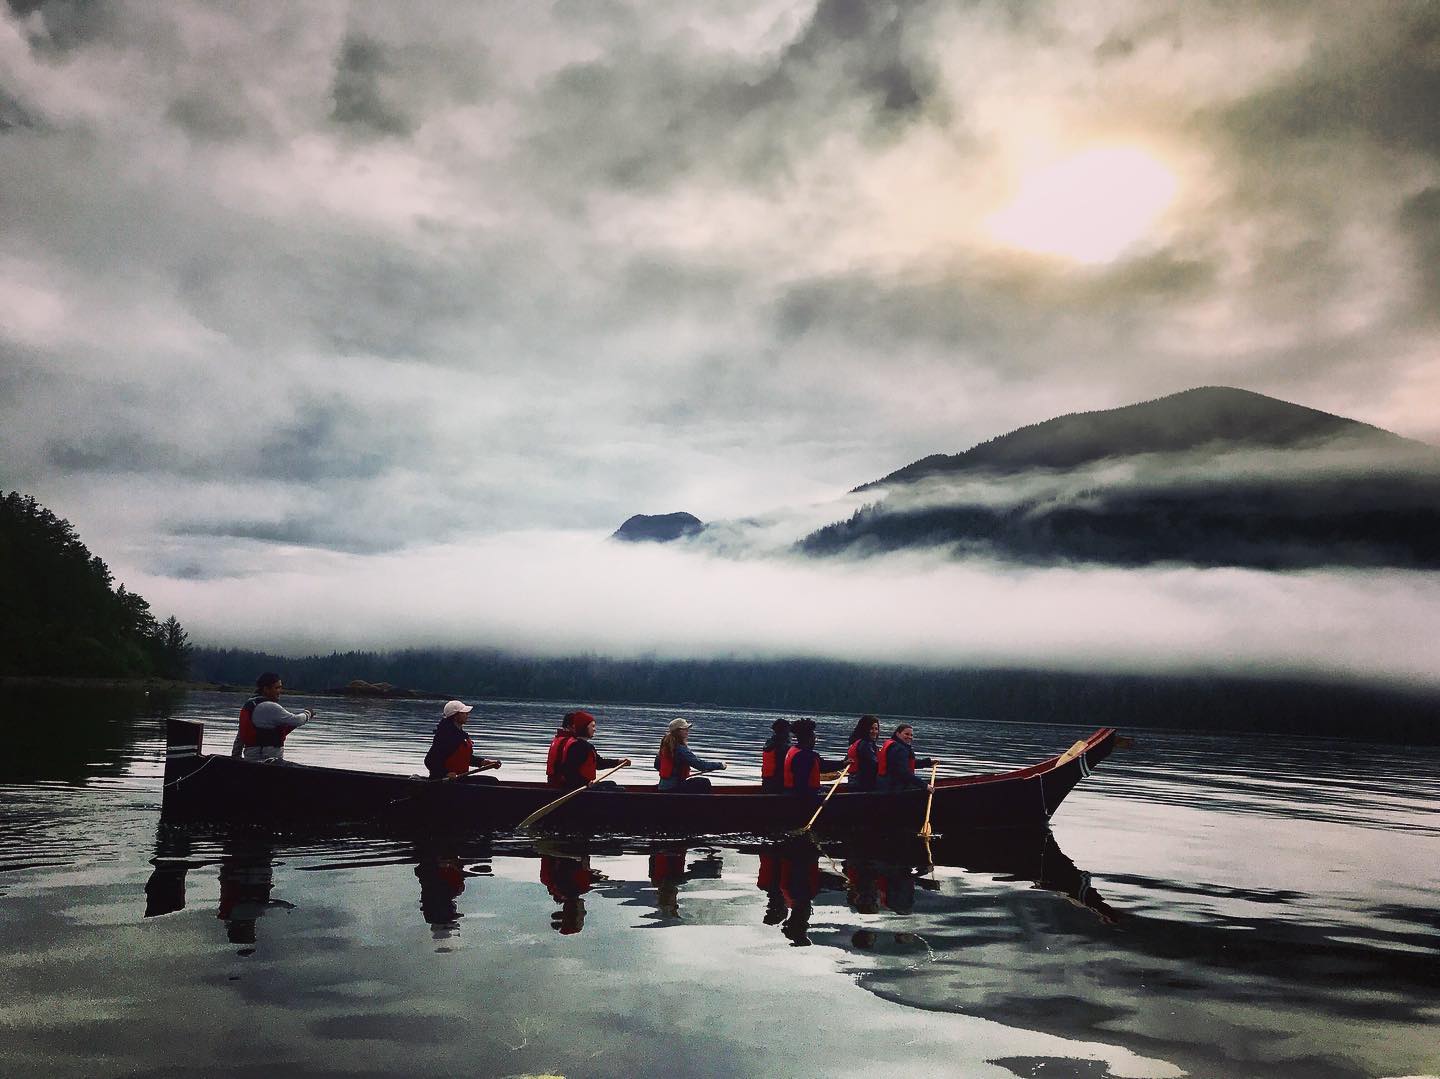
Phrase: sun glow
x=1090 y=207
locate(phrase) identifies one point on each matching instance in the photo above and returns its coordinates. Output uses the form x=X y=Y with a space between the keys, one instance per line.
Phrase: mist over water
x=1209 y=905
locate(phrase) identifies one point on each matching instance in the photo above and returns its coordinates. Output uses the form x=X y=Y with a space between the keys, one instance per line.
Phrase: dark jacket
x=779 y=745
x=448 y=738
x=900 y=768
x=580 y=763
x=864 y=759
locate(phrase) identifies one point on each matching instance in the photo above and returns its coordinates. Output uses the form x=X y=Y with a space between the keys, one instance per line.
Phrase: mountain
x=1212 y=476
x=658 y=528
x=1216 y=418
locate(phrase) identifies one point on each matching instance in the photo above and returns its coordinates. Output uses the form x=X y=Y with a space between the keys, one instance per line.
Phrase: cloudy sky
x=331 y=321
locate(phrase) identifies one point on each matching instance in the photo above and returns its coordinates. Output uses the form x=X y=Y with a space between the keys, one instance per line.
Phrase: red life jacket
x=584 y=769
x=459 y=761
x=792 y=780
x=769 y=875
x=561 y=742
x=666 y=766
x=249 y=736
x=853 y=757
x=769 y=764
x=884 y=765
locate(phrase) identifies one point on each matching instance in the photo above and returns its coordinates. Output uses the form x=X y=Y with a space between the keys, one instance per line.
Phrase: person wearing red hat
x=579 y=763
x=561 y=742
x=452 y=753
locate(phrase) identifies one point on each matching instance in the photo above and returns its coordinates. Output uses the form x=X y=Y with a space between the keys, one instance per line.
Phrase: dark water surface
x=1208 y=905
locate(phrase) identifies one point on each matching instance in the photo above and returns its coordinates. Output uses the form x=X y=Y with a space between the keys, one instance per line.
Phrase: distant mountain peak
x=658 y=528
x=1206 y=417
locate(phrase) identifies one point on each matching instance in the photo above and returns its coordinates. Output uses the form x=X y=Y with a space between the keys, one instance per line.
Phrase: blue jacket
x=684 y=756
x=900 y=768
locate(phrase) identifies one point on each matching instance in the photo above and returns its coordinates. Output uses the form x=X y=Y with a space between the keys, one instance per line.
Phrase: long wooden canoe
x=201 y=785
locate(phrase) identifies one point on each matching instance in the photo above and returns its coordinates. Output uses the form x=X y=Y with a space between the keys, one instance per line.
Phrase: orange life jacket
x=666 y=766
x=459 y=761
x=792 y=780
x=884 y=758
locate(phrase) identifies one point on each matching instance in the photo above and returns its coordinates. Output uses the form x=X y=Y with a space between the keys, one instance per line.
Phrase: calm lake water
x=1208 y=905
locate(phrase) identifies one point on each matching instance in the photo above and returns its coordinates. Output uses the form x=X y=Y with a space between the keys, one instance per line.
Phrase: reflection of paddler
x=442 y=879
x=246 y=880
x=667 y=873
x=768 y=881
x=567 y=878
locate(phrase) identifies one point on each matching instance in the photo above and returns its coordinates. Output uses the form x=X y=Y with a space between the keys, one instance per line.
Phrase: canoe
x=199 y=785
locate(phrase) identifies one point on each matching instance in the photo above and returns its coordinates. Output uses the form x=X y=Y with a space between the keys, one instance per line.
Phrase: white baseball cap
x=455 y=708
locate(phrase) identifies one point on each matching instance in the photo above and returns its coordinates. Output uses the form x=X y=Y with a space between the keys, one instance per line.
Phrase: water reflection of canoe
x=204 y=785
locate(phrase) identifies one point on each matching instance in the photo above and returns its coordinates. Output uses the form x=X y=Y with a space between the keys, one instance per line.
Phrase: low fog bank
x=1342 y=460
x=559 y=594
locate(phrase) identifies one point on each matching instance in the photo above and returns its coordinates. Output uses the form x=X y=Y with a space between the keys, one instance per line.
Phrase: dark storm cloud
x=64 y=25
x=645 y=118
x=1381 y=85
x=1420 y=219
x=359 y=89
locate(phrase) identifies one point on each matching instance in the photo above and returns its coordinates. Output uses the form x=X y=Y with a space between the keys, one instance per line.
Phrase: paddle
x=447 y=779
x=833 y=786
x=925 y=832
x=551 y=806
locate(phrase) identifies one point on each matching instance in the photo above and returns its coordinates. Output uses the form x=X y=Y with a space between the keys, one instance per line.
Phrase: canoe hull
x=200 y=785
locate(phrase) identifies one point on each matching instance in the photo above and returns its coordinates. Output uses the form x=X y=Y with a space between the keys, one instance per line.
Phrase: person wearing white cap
x=676 y=760
x=452 y=753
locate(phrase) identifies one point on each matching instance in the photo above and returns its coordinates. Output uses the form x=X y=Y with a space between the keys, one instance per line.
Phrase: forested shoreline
x=60 y=615
x=1210 y=701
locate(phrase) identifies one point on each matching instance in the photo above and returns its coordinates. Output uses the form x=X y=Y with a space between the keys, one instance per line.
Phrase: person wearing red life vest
x=579 y=763
x=452 y=753
x=772 y=757
x=864 y=755
x=896 y=769
x=676 y=760
x=265 y=722
x=563 y=734
x=804 y=767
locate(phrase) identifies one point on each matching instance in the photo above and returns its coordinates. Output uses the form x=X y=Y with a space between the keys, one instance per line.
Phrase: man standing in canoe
x=265 y=722
x=452 y=753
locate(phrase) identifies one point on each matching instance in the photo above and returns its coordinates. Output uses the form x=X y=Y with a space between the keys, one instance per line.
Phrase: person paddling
x=772 y=757
x=864 y=755
x=452 y=753
x=896 y=770
x=804 y=767
x=562 y=739
x=579 y=763
x=676 y=760
x=265 y=722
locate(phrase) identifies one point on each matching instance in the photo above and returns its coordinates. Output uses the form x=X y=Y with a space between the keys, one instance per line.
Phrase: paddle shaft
x=833 y=787
x=929 y=801
x=550 y=806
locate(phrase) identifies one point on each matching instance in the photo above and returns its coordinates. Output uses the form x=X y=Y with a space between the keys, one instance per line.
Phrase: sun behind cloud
x=1089 y=207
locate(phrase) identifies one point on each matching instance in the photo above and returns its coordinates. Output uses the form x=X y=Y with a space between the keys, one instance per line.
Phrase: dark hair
x=903 y=727
x=805 y=734
x=862 y=728
x=781 y=726
x=266 y=680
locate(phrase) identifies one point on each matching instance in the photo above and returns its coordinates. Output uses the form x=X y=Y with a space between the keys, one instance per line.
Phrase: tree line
x=1197 y=701
x=60 y=615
